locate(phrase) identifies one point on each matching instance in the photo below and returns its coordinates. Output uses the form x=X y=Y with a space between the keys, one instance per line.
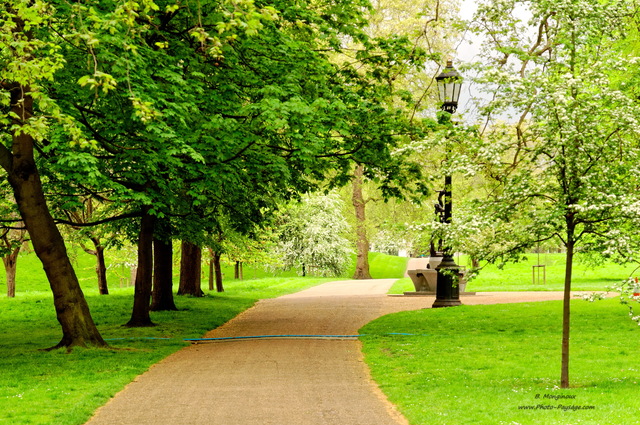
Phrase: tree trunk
x=236 y=270
x=190 y=270
x=142 y=292
x=162 y=296
x=133 y=273
x=211 y=271
x=78 y=327
x=218 y=271
x=101 y=267
x=566 y=308
x=362 y=242
x=10 y=265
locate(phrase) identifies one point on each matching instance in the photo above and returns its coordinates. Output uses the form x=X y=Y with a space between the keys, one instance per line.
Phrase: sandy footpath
x=280 y=381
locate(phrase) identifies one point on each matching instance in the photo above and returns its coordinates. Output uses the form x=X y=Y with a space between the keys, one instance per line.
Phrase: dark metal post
x=447 y=287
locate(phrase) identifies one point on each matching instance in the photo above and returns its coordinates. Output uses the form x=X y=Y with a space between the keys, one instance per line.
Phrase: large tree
x=208 y=130
x=568 y=168
x=194 y=111
x=27 y=63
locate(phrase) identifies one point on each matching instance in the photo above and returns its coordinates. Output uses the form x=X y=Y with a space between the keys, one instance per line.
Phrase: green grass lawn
x=519 y=276
x=56 y=387
x=500 y=364
x=385 y=266
x=468 y=365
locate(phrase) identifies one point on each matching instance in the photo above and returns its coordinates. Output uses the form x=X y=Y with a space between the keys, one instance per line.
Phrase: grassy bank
x=500 y=364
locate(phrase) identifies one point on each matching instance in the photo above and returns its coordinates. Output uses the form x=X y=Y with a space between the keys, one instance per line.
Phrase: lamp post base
x=448 y=284
x=446 y=303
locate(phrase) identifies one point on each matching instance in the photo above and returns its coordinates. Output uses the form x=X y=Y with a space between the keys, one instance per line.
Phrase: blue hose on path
x=229 y=338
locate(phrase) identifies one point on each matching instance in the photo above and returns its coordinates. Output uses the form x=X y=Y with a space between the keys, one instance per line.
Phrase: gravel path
x=280 y=381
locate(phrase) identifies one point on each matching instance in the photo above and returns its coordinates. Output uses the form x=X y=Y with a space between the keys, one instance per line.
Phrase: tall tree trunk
x=14 y=240
x=215 y=271
x=142 y=292
x=218 y=271
x=10 y=265
x=211 y=271
x=78 y=327
x=101 y=266
x=566 y=307
x=190 y=270
x=162 y=296
x=362 y=242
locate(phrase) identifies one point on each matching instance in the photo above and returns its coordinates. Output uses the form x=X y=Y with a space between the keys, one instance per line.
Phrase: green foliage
x=566 y=168
x=269 y=103
x=479 y=364
x=204 y=113
x=192 y=107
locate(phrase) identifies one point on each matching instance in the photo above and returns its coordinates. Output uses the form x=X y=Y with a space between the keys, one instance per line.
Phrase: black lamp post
x=447 y=288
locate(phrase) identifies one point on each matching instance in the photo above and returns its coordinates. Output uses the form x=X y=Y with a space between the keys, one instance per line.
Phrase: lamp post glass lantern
x=447 y=287
x=449 y=86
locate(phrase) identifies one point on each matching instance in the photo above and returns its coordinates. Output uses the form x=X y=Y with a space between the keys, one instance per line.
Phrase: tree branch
x=103 y=221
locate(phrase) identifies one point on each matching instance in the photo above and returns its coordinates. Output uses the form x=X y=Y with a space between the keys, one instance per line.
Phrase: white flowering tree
x=567 y=170
x=311 y=236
